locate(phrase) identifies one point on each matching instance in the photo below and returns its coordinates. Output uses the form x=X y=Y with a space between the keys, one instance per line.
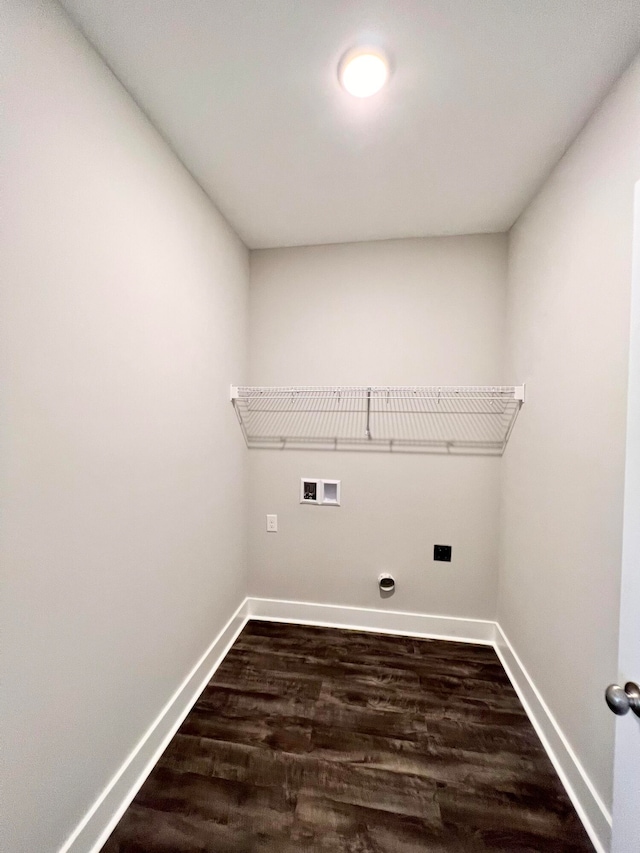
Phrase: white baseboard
x=592 y=811
x=368 y=619
x=590 y=808
x=94 y=829
x=103 y=816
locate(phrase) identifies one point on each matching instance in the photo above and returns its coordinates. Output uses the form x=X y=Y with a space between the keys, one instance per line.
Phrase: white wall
x=568 y=333
x=410 y=312
x=124 y=309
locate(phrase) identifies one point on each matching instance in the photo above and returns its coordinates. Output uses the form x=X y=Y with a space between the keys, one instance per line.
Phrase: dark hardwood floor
x=317 y=739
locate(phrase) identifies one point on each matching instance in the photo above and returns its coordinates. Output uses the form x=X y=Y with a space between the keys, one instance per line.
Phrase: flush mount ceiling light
x=363 y=71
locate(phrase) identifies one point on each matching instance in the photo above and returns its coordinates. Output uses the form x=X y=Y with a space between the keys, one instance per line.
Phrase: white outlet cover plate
x=272 y=524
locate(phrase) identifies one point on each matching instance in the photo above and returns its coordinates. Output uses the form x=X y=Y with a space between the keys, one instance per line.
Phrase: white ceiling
x=484 y=98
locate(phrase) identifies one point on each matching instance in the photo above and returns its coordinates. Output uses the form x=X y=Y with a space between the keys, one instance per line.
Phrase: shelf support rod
x=367 y=431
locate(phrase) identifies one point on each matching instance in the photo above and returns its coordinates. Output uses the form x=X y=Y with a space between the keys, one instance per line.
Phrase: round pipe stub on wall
x=386 y=583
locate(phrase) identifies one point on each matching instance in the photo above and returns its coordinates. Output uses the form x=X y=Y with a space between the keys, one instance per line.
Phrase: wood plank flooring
x=318 y=739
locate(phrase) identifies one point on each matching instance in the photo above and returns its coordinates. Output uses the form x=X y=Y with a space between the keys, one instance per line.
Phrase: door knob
x=620 y=700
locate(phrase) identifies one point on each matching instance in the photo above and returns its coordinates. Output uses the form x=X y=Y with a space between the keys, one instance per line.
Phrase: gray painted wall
x=124 y=310
x=123 y=484
x=568 y=338
x=408 y=312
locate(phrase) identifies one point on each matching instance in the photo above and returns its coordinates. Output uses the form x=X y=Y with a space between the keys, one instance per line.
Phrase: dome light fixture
x=363 y=71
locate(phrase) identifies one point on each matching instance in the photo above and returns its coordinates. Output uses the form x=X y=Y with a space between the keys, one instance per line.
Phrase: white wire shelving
x=437 y=419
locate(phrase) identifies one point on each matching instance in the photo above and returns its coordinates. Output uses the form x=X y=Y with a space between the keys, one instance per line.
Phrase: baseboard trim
x=592 y=811
x=94 y=829
x=100 y=820
x=369 y=619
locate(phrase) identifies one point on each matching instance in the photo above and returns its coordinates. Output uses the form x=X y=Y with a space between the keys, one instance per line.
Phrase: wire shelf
x=437 y=419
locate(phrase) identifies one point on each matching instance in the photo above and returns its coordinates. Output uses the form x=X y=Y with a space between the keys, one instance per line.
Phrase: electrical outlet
x=272 y=524
x=442 y=552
